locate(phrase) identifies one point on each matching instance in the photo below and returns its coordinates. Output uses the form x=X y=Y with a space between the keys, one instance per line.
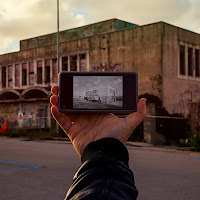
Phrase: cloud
x=31 y=18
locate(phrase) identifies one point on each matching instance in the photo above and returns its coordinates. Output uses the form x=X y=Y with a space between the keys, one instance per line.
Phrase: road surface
x=44 y=170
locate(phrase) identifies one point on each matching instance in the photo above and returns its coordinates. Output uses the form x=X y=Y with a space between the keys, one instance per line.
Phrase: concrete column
x=68 y=67
x=13 y=75
x=150 y=124
x=35 y=72
x=6 y=76
x=51 y=72
x=78 y=63
x=27 y=74
x=87 y=61
x=43 y=72
x=186 y=60
x=20 y=76
x=193 y=61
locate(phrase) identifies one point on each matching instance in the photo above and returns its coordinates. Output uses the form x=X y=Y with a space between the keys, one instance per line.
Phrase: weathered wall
x=34 y=114
x=76 y=33
x=178 y=91
x=135 y=49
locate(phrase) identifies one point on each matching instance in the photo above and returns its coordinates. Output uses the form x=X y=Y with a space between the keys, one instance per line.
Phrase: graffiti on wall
x=32 y=115
x=120 y=25
x=186 y=98
x=156 y=82
x=103 y=67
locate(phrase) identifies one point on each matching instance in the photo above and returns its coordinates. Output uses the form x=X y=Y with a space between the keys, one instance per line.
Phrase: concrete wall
x=76 y=33
x=34 y=114
x=135 y=49
x=179 y=91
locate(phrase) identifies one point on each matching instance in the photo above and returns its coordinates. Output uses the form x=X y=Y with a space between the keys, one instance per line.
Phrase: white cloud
x=29 y=18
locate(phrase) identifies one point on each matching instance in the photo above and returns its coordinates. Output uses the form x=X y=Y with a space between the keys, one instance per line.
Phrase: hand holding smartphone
x=101 y=92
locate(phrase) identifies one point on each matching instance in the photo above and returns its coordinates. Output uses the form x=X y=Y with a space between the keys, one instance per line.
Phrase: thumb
x=134 y=119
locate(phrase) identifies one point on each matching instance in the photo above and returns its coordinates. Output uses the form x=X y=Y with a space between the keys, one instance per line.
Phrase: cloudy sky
x=30 y=18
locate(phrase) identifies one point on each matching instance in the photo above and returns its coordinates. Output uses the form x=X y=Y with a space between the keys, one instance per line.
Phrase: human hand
x=83 y=128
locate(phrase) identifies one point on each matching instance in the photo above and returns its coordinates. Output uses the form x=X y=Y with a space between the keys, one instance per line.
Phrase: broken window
x=55 y=70
x=190 y=69
x=39 y=72
x=197 y=63
x=73 y=63
x=182 y=60
x=3 y=74
x=31 y=73
x=24 y=74
x=10 y=74
x=65 y=63
x=83 y=62
x=47 y=71
x=17 y=75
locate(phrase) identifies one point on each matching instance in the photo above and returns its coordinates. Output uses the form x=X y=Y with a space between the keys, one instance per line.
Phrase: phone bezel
x=131 y=98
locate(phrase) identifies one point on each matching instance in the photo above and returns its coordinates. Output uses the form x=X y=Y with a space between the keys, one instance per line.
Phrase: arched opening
x=34 y=94
x=9 y=95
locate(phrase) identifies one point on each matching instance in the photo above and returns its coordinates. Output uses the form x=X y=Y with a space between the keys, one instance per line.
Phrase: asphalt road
x=44 y=171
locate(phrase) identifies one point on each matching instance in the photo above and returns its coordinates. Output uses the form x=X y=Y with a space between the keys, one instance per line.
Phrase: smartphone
x=102 y=92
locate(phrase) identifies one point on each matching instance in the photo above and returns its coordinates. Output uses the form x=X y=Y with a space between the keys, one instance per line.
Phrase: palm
x=91 y=127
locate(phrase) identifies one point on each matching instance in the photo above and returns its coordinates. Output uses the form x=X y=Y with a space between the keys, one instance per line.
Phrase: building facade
x=166 y=57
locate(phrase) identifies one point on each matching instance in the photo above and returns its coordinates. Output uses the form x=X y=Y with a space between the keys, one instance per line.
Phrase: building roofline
x=112 y=19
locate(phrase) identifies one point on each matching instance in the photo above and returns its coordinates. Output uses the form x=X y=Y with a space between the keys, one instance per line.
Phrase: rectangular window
x=39 y=72
x=17 y=75
x=31 y=73
x=190 y=68
x=182 y=60
x=73 y=63
x=3 y=74
x=83 y=62
x=24 y=74
x=197 y=63
x=65 y=63
x=10 y=74
x=55 y=70
x=47 y=71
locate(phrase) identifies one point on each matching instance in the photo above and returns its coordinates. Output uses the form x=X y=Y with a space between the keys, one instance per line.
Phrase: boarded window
x=182 y=60
x=197 y=63
x=83 y=62
x=65 y=63
x=190 y=69
x=39 y=72
x=73 y=63
x=10 y=76
x=55 y=70
x=24 y=74
x=47 y=71
x=31 y=73
x=3 y=74
x=17 y=75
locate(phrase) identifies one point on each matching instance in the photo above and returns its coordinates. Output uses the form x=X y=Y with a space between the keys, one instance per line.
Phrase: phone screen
x=98 y=92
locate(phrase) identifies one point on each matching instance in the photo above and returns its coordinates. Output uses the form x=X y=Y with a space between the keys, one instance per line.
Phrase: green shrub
x=193 y=141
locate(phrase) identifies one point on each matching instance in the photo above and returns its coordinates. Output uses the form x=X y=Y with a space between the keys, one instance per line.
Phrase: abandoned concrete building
x=166 y=57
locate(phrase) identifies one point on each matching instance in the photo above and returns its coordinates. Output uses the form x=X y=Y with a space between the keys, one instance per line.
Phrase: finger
x=54 y=100
x=54 y=90
x=134 y=119
x=62 y=121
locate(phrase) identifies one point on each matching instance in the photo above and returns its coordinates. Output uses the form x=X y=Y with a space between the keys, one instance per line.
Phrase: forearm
x=104 y=174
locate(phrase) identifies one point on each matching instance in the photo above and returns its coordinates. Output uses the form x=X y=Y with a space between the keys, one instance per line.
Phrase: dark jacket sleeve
x=104 y=173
